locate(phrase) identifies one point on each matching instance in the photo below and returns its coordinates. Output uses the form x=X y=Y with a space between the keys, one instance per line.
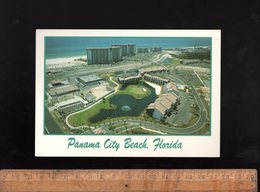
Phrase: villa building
x=162 y=106
x=170 y=87
x=155 y=79
x=152 y=70
x=130 y=79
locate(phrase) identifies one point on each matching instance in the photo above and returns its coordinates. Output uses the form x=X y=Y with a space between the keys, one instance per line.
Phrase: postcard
x=127 y=93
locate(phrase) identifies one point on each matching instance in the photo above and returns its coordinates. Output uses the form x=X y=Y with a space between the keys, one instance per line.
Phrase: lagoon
x=126 y=105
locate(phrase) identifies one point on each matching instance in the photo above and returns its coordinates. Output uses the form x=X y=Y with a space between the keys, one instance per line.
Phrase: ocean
x=57 y=48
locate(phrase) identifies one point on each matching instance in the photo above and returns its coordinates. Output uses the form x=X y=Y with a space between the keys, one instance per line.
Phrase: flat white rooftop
x=90 y=78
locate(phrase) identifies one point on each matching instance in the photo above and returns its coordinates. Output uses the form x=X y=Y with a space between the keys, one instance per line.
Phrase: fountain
x=126 y=108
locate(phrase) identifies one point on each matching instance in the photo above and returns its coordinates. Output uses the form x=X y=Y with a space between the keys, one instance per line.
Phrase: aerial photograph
x=127 y=85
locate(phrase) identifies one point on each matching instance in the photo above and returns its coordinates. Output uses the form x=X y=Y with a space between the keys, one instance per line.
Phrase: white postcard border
x=192 y=146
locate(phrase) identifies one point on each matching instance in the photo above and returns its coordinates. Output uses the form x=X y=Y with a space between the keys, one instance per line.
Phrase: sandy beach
x=65 y=62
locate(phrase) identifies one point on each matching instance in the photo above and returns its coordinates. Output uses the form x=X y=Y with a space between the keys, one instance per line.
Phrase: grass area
x=189 y=76
x=192 y=121
x=204 y=77
x=172 y=61
x=106 y=75
x=111 y=84
x=204 y=130
x=137 y=91
x=112 y=127
x=195 y=55
x=175 y=61
x=82 y=118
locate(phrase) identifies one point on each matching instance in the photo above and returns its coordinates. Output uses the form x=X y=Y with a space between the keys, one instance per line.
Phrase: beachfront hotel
x=116 y=53
x=127 y=49
x=111 y=54
x=99 y=56
x=131 y=49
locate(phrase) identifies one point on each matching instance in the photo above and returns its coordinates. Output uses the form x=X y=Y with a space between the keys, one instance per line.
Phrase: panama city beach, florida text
x=129 y=143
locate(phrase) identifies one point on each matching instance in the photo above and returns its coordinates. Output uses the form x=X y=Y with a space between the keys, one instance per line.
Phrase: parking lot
x=182 y=115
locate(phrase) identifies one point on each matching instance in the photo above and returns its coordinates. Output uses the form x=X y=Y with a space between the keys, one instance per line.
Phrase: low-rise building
x=156 y=79
x=154 y=69
x=89 y=79
x=170 y=87
x=63 y=90
x=181 y=87
x=130 y=78
x=201 y=70
x=70 y=108
x=56 y=82
x=162 y=106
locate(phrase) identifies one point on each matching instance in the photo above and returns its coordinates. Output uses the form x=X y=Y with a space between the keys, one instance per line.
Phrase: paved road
x=51 y=126
x=175 y=80
x=131 y=123
x=204 y=117
x=87 y=70
x=157 y=126
x=183 y=115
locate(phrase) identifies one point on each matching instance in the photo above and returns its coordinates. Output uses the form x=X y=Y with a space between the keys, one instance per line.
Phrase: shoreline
x=61 y=60
x=53 y=63
x=71 y=60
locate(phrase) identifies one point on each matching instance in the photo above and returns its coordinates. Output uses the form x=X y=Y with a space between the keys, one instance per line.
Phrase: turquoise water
x=58 y=47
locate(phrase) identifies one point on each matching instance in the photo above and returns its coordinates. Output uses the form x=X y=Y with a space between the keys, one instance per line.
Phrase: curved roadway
x=135 y=123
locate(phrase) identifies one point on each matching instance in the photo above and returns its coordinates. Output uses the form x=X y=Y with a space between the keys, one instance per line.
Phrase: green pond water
x=127 y=105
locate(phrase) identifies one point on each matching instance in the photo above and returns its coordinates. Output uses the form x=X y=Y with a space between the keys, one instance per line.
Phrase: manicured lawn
x=106 y=75
x=175 y=61
x=172 y=61
x=137 y=91
x=82 y=118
